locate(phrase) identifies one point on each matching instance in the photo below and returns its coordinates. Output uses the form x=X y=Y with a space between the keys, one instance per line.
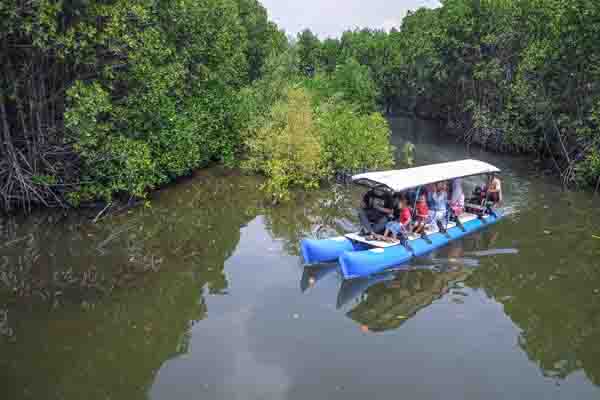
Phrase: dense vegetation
x=112 y=98
x=116 y=97
x=513 y=75
x=304 y=129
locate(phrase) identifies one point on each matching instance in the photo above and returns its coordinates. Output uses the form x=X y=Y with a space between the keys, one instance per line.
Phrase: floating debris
x=491 y=252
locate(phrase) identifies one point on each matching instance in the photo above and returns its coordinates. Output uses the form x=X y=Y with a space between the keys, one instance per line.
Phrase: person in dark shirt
x=373 y=217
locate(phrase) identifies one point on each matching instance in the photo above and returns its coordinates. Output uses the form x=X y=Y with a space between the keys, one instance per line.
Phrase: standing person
x=494 y=189
x=372 y=216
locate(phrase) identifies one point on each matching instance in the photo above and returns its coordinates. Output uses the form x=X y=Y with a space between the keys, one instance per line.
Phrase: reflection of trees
x=321 y=213
x=386 y=305
x=554 y=300
x=313 y=274
x=109 y=303
x=110 y=348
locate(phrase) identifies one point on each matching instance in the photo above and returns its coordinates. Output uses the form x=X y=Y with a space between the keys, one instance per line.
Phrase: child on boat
x=396 y=230
x=422 y=214
x=457 y=198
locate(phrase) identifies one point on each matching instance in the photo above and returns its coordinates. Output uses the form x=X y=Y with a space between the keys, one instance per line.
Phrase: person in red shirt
x=396 y=229
x=422 y=214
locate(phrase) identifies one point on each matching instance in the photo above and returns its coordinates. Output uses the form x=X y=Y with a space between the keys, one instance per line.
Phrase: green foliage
x=149 y=91
x=303 y=126
x=350 y=83
x=256 y=100
x=111 y=163
x=518 y=76
x=286 y=148
x=264 y=38
x=308 y=47
x=183 y=104
x=152 y=89
x=329 y=55
x=353 y=141
x=589 y=169
x=304 y=139
x=408 y=154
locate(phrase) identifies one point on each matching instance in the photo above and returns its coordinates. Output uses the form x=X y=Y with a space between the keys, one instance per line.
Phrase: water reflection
x=320 y=214
x=385 y=301
x=555 y=301
x=386 y=305
x=109 y=303
x=313 y=274
x=202 y=288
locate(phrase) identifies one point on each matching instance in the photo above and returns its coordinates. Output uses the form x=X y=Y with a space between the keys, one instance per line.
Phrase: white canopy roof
x=403 y=179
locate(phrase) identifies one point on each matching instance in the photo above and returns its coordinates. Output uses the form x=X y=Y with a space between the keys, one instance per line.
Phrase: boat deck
x=431 y=229
x=373 y=243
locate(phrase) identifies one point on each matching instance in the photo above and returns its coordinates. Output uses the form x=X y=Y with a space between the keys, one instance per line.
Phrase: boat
x=359 y=257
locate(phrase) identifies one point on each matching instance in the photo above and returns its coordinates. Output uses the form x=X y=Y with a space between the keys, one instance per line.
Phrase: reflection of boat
x=313 y=274
x=352 y=289
x=387 y=304
x=360 y=257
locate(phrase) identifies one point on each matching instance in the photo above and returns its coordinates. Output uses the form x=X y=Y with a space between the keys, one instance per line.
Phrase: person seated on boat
x=439 y=211
x=422 y=214
x=429 y=191
x=397 y=229
x=372 y=216
x=457 y=198
x=411 y=196
x=478 y=195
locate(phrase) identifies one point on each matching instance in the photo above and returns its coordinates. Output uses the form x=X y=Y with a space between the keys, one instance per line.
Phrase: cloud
x=390 y=23
x=329 y=18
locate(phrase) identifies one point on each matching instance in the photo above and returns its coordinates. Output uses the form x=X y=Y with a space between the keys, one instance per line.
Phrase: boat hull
x=327 y=250
x=359 y=260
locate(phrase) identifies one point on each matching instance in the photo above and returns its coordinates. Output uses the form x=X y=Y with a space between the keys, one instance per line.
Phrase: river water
x=201 y=294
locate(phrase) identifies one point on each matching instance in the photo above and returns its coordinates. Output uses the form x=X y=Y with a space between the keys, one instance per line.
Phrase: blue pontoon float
x=359 y=257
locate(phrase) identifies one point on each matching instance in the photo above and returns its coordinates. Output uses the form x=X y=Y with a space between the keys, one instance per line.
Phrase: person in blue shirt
x=439 y=205
x=429 y=191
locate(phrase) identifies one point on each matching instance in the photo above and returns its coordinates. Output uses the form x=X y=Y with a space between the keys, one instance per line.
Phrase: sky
x=329 y=18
